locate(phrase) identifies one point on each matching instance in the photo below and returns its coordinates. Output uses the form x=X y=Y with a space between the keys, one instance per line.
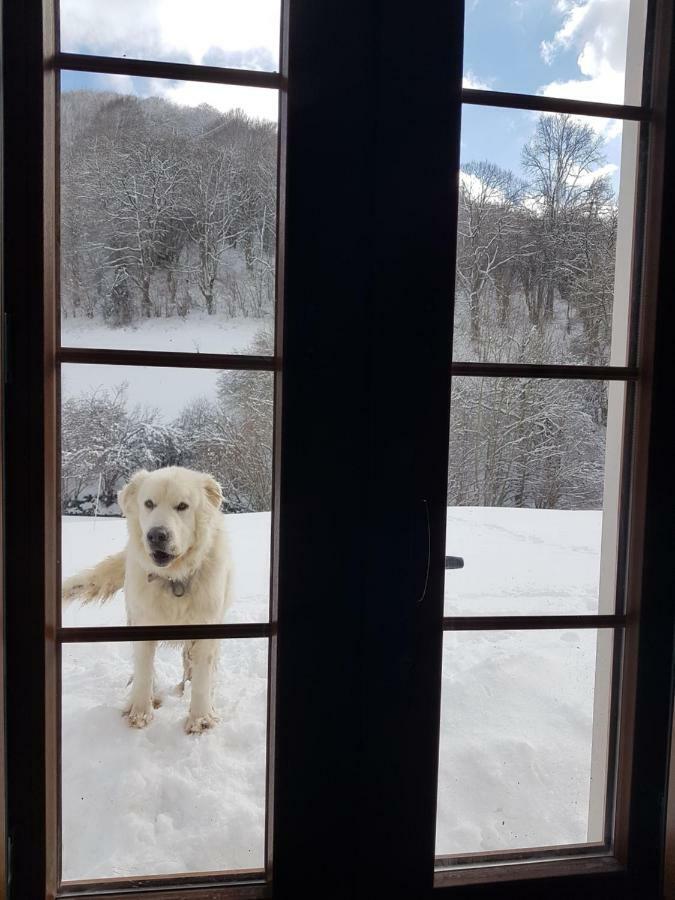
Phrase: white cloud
x=472 y=81
x=121 y=84
x=597 y=30
x=609 y=129
x=471 y=183
x=476 y=188
x=260 y=103
x=237 y=33
x=241 y=33
x=587 y=178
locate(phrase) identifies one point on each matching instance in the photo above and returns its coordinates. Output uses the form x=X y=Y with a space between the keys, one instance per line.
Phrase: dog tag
x=178 y=588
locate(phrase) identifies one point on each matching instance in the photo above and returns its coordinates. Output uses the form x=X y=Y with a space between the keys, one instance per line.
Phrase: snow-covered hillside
x=516 y=716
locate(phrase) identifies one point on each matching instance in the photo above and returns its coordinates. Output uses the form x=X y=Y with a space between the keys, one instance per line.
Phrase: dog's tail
x=98 y=584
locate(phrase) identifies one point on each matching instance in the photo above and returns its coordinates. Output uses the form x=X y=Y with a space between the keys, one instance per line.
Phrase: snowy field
x=197 y=332
x=516 y=717
x=166 y=388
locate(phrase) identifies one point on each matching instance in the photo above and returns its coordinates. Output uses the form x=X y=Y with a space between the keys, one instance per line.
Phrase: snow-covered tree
x=103 y=443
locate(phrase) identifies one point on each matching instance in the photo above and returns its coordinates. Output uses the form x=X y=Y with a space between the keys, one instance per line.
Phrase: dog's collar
x=178 y=587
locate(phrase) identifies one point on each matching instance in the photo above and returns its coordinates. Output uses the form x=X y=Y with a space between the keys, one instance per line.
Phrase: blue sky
x=565 y=48
x=502 y=45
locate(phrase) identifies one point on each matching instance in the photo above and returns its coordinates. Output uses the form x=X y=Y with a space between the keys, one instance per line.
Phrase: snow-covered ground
x=534 y=562
x=516 y=710
x=167 y=389
x=195 y=333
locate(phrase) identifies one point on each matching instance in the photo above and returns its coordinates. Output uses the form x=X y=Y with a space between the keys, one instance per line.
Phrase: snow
x=523 y=561
x=516 y=709
x=156 y=801
x=516 y=731
x=195 y=333
x=165 y=388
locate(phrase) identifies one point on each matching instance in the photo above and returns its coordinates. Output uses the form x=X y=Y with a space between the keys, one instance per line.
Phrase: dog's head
x=168 y=511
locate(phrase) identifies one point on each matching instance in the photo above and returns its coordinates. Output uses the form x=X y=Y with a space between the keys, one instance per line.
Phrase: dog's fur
x=185 y=580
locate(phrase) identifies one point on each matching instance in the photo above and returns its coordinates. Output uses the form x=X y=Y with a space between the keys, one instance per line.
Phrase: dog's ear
x=127 y=495
x=213 y=491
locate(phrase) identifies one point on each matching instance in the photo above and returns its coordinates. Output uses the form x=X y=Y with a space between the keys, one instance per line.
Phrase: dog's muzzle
x=158 y=539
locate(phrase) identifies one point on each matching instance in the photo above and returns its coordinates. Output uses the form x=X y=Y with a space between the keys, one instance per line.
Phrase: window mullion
x=322 y=535
x=414 y=240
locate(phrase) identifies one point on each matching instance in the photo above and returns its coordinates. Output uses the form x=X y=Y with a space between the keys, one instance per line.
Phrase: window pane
x=581 y=50
x=117 y=420
x=544 y=238
x=524 y=740
x=158 y=801
x=533 y=481
x=241 y=35
x=168 y=215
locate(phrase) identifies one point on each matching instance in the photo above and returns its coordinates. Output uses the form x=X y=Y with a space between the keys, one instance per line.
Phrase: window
x=167 y=181
x=548 y=284
x=347 y=642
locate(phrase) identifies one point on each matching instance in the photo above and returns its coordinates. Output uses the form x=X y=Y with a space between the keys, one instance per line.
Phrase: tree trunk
x=548 y=310
x=146 y=303
x=504 y=305
x=171 y=288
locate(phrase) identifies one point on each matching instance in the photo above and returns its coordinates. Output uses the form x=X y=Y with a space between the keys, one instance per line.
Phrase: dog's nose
x=158 y=536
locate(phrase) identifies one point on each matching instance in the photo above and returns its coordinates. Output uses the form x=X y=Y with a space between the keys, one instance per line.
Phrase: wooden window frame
x=245 y=883
x=614 y=859
x=361 y=781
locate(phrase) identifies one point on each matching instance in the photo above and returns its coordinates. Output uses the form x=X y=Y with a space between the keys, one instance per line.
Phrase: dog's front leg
x=140 y=708
x=203 y=655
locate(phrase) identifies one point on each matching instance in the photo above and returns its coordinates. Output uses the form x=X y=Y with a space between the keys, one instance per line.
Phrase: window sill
x=520 y=871
x=194 y=888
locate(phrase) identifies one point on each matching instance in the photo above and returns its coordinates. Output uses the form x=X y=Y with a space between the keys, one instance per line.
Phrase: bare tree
x=159 y=200
x=213 y=201
x=524 y=443
x=560 y=161
x=486 y=250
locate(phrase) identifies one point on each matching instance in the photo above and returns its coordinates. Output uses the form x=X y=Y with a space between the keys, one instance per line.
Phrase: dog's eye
x=181 y=507
x=149 y=504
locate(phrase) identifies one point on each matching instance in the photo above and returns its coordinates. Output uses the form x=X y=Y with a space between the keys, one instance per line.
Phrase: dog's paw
x=139 y=716
x=197 y=724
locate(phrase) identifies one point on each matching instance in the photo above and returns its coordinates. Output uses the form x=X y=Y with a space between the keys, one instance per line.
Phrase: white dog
x=175 y=570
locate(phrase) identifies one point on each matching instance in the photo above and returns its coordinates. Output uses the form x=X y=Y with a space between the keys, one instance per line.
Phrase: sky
x=574 y=49
x=563 y=48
